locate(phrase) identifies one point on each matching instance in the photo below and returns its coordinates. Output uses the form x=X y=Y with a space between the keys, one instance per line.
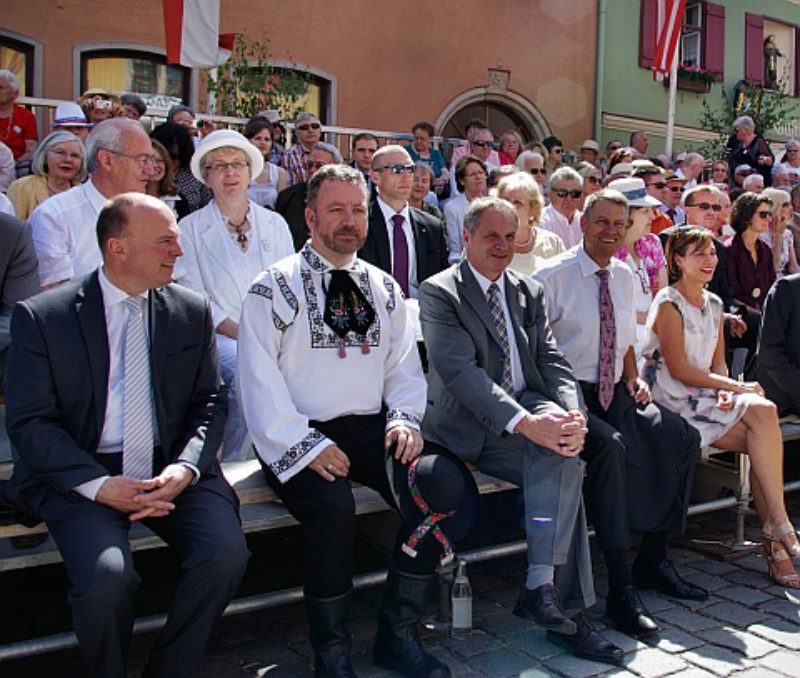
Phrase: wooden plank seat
x=261 y=511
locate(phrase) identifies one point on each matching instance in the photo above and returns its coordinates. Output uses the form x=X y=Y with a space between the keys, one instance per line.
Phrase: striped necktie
x=496 y=307
x=137 y=439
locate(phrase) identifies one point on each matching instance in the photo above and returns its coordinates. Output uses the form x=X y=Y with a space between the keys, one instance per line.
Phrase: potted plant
x=693 y=78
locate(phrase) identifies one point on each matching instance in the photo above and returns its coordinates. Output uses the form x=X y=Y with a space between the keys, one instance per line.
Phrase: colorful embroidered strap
x=430 y=522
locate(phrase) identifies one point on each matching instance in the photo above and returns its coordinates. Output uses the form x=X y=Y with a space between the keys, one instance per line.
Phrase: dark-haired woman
x=691 y=379
x=265 y=187
x=178 y=141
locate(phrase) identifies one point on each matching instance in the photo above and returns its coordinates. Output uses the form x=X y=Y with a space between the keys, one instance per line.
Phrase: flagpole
x=673 y=95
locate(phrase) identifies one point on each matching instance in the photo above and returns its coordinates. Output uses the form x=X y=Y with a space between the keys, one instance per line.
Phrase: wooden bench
x=261 y=510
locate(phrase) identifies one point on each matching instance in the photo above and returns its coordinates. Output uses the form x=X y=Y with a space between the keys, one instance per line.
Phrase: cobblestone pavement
x=747 y=627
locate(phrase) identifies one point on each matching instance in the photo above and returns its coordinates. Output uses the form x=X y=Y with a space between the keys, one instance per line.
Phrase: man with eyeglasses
x=120 y=159
x=291 y=201
x=562 y=216
x=308 y=131
x=672 y=198
x=401 y=239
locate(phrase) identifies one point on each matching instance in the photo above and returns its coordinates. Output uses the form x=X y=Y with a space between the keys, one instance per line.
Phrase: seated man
x=640 y=457
x=330 y=380
x=504 y=397
x=779 y=346
x=114 y=406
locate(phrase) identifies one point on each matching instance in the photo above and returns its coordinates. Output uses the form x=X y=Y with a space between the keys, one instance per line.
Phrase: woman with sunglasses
x=532 y=162
x=751 y=271
x=691 y=379
x=592 y=180
x=779 y=237
x=720 y=174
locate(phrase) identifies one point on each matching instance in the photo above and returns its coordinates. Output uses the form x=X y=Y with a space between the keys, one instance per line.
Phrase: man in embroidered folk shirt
x=640 y=457
x=330 y=378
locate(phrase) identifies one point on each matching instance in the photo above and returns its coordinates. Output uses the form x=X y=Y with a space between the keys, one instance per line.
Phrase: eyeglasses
x=537 y=170
x=593 y=180
x=660 y=185
x=398 y=169
x=64 y=154
x=705 y=206
x=556 y=150
x=563 y=193
x=306 y=127
x=764 y=214
x=236 y=166
x=159 y=161
x=483 y=144
x=143 y=159
x=676 y=189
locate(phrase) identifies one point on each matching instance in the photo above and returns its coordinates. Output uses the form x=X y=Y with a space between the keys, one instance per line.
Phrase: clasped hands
x=333 y=463
x=151 y=498
x=562 y=432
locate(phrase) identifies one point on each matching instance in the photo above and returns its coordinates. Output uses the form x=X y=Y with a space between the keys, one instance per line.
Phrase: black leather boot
x=329 y=637
x=397 y=645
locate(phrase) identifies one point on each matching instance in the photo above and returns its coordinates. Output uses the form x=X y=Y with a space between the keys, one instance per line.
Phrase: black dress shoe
x=543 y=605
x=665 y=579
x=629 y=613
x=588 y=643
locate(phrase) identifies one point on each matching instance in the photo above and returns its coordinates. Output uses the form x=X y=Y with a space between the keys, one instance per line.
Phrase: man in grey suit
x=18 y=277
x=503 y=398
x=114 y=405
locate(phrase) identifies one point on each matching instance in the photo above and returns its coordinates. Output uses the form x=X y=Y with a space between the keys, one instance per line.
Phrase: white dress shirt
x=388 y=212
x=64 y=230
x=572 y=296
x=517 y=377
x=290 y=371
x=569 y=231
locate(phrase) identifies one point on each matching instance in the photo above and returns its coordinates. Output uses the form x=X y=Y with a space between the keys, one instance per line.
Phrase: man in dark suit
x=115 y=408
x=401 y=239
x=18 y=277
x=779 y=345
x=504 y=398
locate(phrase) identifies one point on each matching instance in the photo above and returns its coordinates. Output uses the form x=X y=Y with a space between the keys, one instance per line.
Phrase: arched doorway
x=502 y=112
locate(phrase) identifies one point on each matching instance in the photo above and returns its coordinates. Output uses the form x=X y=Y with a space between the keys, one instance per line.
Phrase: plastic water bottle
x=462 y=603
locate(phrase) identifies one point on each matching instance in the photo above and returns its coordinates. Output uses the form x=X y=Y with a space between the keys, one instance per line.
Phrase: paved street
x=747 y=627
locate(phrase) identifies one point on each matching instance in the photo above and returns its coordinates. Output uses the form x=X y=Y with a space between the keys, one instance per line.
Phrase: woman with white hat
x=226 y=245
x=642 y=251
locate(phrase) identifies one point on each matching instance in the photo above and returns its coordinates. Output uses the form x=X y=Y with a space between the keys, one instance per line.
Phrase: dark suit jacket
x=58 y=378
x=465 y=404
x=291 y=205
x=430 y=244
x=779 y=345
x=719 y=284
x=19 y=277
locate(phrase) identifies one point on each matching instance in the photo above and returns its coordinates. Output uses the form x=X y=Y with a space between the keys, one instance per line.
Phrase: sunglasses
x=556 y=150
x=537 y=170
x=483 y=144
x=660 y=185
x=593 y=180
x=311 y=125
x=764 y=214
x=398 y=169
x=705 y=206
x=563 y=193
x=676 y=189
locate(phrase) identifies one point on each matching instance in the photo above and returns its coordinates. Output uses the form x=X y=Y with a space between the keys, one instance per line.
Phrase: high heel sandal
x=777 y=558
x=785 y=535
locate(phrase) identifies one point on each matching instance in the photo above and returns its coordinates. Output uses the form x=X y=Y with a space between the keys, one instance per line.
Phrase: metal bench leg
x=743 y=497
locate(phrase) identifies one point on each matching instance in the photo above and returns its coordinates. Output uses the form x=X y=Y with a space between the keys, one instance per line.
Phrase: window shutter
x=647 y=33
x=714 y=39
x=754 y=49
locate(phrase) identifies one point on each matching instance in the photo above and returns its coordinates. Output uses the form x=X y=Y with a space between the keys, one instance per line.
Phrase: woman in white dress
x=226 y=245
x=265 y=187
x=691 y=379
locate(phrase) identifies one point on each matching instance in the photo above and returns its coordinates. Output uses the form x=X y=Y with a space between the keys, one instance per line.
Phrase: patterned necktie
x=137 y=438
x=608 y=338
x=400 y=263
x=496 y=307
x=671 y=215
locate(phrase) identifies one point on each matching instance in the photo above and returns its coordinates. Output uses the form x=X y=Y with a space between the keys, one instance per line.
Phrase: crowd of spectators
x=506 y=261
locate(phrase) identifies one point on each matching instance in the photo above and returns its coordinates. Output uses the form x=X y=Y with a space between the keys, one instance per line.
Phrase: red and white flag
x=668 y=35
x=192 y=34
